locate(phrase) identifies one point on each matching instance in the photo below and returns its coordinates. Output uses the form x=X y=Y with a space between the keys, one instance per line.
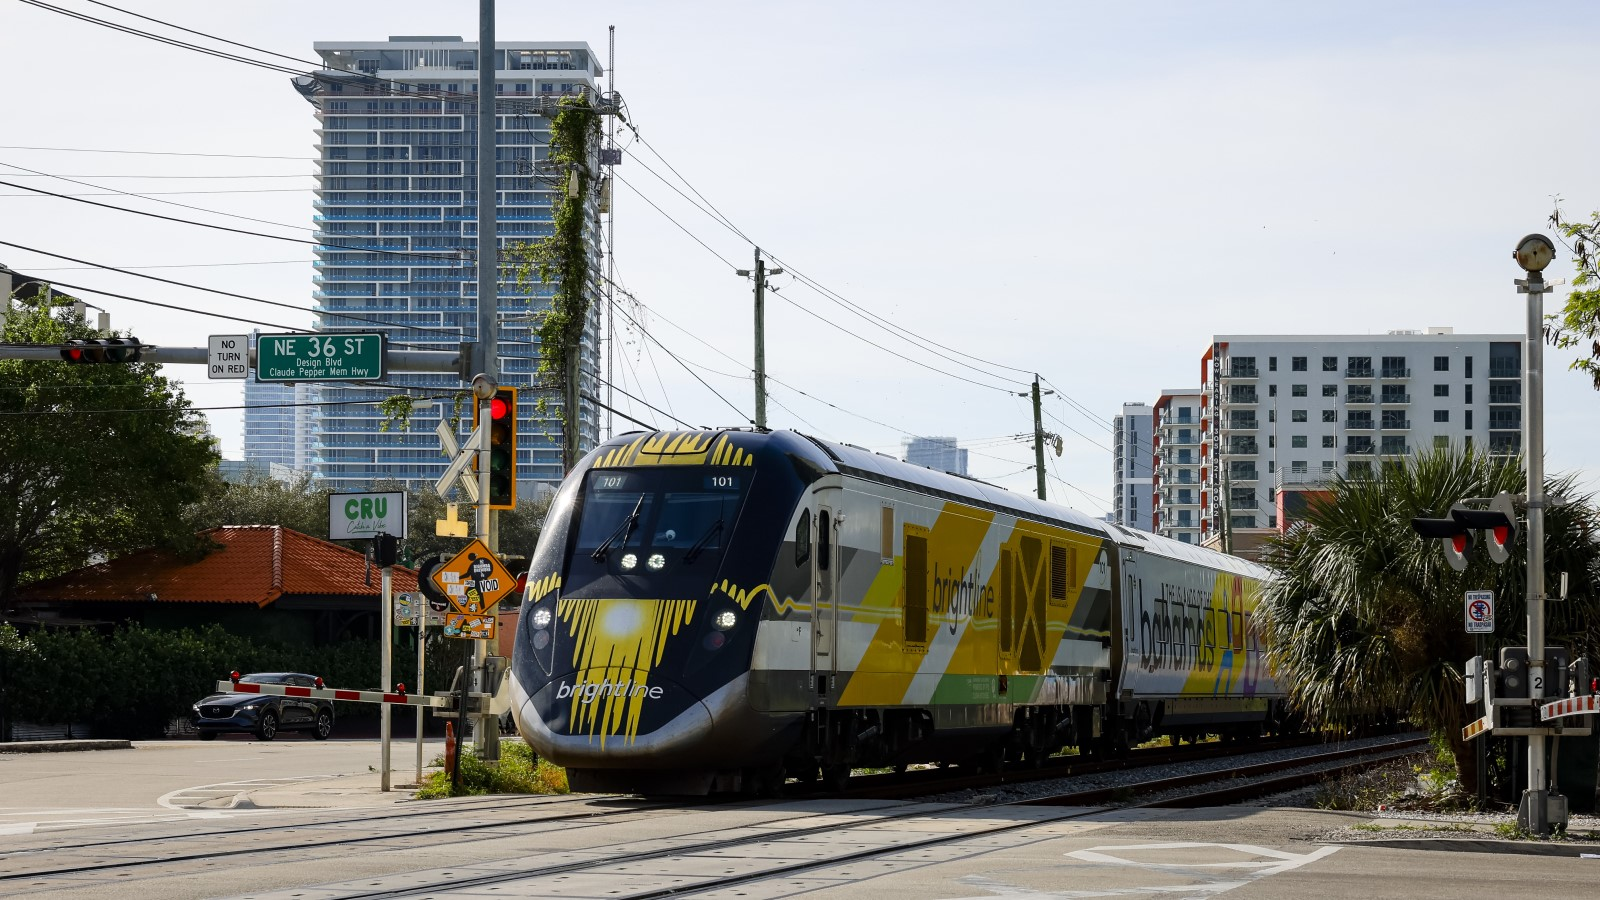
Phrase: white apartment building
x=1292 y=411
x=1176 y=504
x=1132 y=463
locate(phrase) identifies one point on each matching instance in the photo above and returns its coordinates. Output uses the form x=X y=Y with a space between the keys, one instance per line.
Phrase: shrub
x=520 y=771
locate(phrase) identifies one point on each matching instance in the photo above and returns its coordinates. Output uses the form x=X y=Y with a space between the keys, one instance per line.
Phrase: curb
x=1470 y=845
x=64 y=746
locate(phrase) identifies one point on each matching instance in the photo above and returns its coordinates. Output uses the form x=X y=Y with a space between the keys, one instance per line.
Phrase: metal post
x=422 y=639
x=761 y=342
x=486 y=534
x=611 y=240
x=1535 y=800
x=1038 y=439
x=386 y=644
x=486 y=352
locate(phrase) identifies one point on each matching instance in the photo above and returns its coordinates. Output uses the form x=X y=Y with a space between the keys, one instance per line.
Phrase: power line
x=165 y=153
x=176 y=193
x=64 y=412
x=265 y=262
x=354 y=318
x=274 y=237
x=669 y=218
x=164 y=177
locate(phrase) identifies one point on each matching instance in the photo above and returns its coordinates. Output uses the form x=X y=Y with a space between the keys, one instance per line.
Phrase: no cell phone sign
x=1480 y=612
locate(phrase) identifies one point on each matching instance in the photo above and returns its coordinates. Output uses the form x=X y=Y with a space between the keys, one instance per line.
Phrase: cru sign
x=356 y=516
x=319 y=357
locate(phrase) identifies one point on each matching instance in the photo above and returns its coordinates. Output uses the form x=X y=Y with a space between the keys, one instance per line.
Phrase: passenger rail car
x=714 y=610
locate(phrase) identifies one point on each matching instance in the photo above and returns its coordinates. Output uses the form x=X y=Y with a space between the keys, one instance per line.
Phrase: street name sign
x=1480 y=612
x=320 y=357
x=228 y=356
x=364 y=515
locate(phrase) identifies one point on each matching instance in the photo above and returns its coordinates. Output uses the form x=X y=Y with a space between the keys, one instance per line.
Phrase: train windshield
x=664 y=524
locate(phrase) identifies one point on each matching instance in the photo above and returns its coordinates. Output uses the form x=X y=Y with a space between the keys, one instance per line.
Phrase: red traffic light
x=498 y=408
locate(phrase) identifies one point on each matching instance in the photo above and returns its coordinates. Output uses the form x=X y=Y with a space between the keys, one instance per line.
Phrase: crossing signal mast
x=502 y=447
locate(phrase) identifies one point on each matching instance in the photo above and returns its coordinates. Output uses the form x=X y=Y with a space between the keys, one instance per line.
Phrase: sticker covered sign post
x=475 y=581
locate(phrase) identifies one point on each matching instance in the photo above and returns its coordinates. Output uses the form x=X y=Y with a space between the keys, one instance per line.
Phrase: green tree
x=260 y=499
x=1365 y=614
x=94 y=459
x=1579 y=321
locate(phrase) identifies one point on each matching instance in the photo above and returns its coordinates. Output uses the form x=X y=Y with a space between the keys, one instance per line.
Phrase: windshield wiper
x=625 y=530
x=713 y=531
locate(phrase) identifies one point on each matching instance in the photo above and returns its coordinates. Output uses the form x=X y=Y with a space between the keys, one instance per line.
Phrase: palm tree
x=1365 y=615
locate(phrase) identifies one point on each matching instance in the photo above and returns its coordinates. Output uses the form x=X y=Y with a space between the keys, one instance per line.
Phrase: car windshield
x=266 y=679
x=656 y=523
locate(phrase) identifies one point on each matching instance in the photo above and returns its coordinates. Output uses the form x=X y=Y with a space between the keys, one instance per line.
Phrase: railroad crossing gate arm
x=398 y=699
x=1572 y=706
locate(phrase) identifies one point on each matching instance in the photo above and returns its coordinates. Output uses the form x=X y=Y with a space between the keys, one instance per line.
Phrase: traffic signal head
x=502 y=438
x=102 y=350
x=1498 y=524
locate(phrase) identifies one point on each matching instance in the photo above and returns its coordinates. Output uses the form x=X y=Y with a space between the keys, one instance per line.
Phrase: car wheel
x=208 y=735
x=268 y=729
x=324 y=726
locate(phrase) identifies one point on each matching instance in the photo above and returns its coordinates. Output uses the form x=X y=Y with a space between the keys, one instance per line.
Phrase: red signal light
x=1459 y=542
x=498 y=407
x=1502 y=534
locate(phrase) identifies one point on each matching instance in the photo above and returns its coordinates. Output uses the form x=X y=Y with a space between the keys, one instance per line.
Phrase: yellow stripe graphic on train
x=677 y=448
x=616 y=645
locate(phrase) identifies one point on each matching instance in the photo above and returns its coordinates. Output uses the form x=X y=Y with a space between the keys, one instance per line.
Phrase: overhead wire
x=164 y=153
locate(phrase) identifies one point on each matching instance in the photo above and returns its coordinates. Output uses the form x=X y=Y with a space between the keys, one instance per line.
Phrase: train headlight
x=629 y=561
x=725 y=620
x=541 y=618
x=657 y=562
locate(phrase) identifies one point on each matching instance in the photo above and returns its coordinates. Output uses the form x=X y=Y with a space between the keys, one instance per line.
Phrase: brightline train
x=718 y=610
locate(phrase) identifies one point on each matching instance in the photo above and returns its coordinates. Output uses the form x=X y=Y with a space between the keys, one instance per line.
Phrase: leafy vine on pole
x=561 y=260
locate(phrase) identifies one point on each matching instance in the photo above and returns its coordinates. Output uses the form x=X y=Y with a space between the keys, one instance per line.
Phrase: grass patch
x=520 y=771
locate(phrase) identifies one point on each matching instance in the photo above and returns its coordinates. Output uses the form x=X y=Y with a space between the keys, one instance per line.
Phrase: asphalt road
x=165 y=780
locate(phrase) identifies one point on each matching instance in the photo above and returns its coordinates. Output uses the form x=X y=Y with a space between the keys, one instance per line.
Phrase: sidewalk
x=363 y=791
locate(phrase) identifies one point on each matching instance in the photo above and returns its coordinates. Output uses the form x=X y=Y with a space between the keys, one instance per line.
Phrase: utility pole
x=486 y=355
x=1040 y=435
x=761 y=272
x=611 y=237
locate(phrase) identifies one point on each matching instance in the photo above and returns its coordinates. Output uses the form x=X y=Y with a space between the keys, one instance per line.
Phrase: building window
x=1272 y=441
x=1297 y=442
x=1441 y=441
x=1469 y=425
x=1297 y=363
x=1330 y=415
x=1272 y=390
x=1327 y=442
x=1297 y=390
x=1330 y=390
x=1272 y=415
x=1469 y=394
x=1297 y=415
x=1272 y=364
x=1441 y=363
x=1360 y=469
x=1441 y=390
x=1469 y=367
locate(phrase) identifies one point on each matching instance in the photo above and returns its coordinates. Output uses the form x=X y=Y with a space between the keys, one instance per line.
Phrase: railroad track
x=751 y=854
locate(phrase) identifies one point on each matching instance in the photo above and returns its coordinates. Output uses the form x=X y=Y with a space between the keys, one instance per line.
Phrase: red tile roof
x=256 y=564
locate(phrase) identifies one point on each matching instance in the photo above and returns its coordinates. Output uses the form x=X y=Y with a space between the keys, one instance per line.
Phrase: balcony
x=1364 y=395
x=1361 y=449
x=1505 y=371
x=1241 y=424
x=1242 y=372
x=1395 y=398
x=1243 y=475
x=1396 y=423
x=1396 y=372
x=1396 y=449
x=1236 y=398
x=1358 y=372
x=1246 y=447
x=1362 y=424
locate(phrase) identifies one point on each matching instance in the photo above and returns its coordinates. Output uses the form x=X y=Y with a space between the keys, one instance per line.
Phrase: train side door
x=824 y=610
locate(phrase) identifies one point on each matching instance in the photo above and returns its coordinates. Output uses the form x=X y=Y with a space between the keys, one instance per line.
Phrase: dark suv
x=264 y=715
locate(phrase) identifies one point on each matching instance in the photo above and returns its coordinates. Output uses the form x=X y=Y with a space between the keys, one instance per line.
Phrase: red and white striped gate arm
x=289 y=690
x=1572 y=706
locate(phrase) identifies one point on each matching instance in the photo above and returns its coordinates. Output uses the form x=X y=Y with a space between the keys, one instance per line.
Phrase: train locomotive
x=720 y=610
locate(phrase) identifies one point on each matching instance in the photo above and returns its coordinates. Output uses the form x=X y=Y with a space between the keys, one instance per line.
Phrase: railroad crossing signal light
x=102 y=350
x=1498 y=524
x=502 y=447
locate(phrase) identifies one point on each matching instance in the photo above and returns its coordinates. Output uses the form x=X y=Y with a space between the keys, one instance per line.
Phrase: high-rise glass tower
x=396 y=212
x=277 y=423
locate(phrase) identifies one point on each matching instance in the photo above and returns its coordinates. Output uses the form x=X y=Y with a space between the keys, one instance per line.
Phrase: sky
x=1086 y=191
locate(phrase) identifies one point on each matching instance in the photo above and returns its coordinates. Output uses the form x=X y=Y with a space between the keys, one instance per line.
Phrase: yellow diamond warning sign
x=474 y=580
